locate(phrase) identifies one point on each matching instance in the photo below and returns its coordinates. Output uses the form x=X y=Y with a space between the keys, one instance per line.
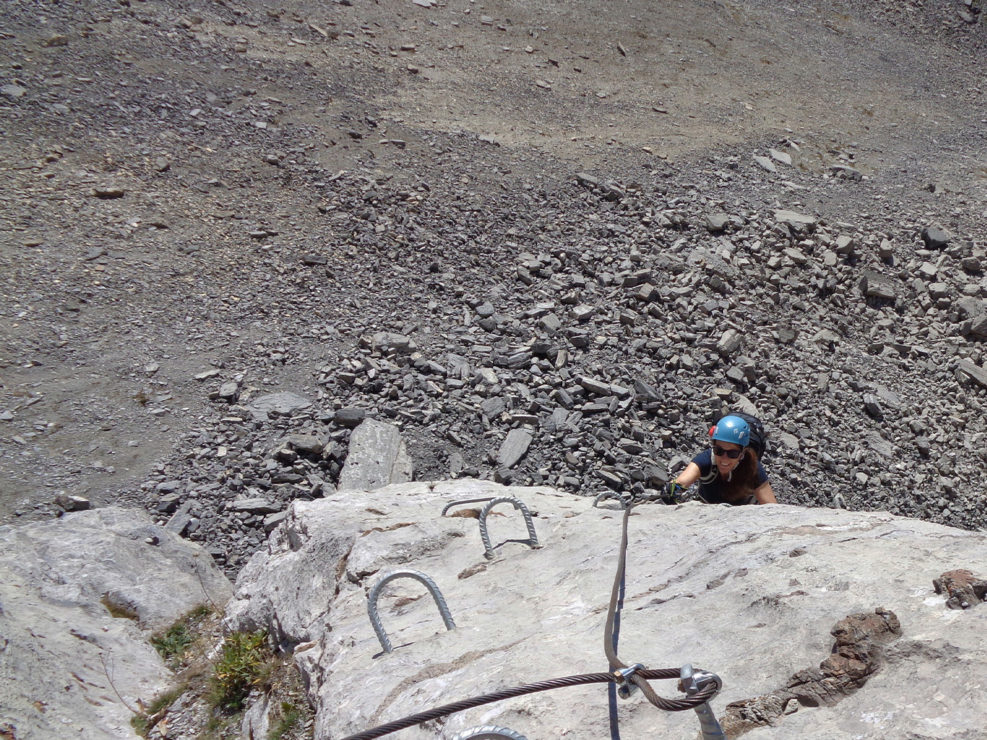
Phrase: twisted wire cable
x=639 y=677
x=531 y=688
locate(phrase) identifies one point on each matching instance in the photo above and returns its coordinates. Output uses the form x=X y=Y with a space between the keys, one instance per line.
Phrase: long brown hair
x=743 y=481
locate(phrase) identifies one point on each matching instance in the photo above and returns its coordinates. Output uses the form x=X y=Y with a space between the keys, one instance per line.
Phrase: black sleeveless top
x=712 y=487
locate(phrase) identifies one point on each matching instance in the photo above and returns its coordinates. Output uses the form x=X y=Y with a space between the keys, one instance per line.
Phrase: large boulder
x=377 y=457
x=79 y=597
x=759 y=595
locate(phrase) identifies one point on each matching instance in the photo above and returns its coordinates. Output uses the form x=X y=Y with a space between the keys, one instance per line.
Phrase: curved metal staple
x=517 y=504
x=624 y=500
x=464 y=501
x=489 y=732
x=440 y=602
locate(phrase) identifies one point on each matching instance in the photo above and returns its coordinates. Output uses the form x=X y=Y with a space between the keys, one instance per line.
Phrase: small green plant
x=174 y=642
x=290 y=717
x=145 y=720
x=177 y=639
x=220 y=726
x=246 y=662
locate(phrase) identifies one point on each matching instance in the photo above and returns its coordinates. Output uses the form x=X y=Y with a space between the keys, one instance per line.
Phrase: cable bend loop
x=488 y=552
x=489 y=732
x=440 y=602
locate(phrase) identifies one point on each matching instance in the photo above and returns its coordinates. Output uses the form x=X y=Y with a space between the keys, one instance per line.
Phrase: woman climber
x=729 y=472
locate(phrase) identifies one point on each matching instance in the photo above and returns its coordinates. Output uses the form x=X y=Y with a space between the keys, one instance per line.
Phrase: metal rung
x=489 y=732
x=532 y=537
x=418 y=576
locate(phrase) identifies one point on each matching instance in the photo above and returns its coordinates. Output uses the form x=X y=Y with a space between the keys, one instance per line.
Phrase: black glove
x=672 y=493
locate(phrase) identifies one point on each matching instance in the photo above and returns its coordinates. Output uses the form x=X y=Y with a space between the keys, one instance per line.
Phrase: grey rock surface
x=782 y=157
x=284 y=403
x=875 y=285
x=12 y=91
x=936 y=237
x=765 y=163
x=377 y=457
x=80 y=597
x=973 y=371
x=750 y=593
x=794 y=219
x=717 y=222
x=514 y=448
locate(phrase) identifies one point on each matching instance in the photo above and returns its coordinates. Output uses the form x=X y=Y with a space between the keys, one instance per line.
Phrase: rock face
x=78 y=597
x=790 y=606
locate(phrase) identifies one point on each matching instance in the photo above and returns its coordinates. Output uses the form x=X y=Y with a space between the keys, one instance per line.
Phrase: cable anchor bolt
x=693 y=682
x=625 y=687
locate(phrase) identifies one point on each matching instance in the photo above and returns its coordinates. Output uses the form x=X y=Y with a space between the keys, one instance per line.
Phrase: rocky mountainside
x=818 y=623
x=821 y=624
x=548 y=244
x=81 y=596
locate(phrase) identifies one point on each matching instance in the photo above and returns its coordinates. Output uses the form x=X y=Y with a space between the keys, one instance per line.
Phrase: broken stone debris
x=277 y=404
x=514 y=448
x=632 y=301
x=962 y=589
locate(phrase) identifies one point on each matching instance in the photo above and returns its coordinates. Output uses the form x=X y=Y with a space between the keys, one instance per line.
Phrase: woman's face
x=721 y=456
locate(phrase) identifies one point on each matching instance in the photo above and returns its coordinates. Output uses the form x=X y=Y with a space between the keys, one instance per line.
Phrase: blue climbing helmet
x=731 y=429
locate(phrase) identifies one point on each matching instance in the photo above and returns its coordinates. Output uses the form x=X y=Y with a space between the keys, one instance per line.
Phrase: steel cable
x=612 y=714
x=531 y=688
x=638 y=677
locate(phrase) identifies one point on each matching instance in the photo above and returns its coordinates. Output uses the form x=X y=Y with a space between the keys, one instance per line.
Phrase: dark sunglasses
x=721 y=452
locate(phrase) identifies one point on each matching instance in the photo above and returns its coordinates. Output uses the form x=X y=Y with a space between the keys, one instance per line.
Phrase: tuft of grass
x=177 y=639
x=182 y=646
x=290 y=718
x=246 y=663
x=145 y=720
x=174 y=642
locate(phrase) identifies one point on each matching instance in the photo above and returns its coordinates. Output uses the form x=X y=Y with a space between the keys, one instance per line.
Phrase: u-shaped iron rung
x=623 y=499
x=489 y=732
x=532 y=537
x=464 y=501
x=418 y=576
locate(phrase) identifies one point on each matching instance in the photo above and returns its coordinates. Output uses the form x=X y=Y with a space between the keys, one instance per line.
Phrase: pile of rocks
x=519 y=317
x=594 y=358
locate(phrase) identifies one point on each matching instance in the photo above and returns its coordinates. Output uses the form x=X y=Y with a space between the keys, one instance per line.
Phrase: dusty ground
x=165 y=161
